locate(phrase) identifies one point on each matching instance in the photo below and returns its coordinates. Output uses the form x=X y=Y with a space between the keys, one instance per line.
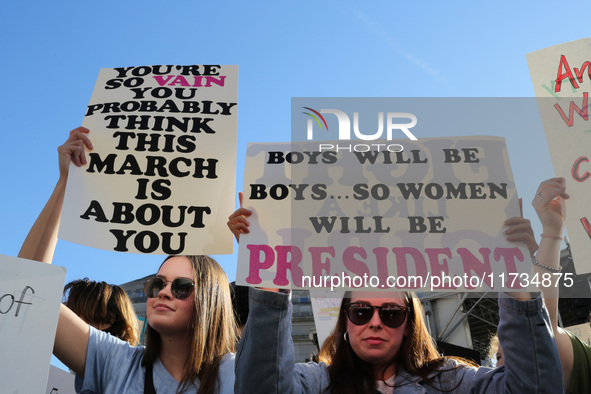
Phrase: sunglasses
x=181 y=288
x=391 y=315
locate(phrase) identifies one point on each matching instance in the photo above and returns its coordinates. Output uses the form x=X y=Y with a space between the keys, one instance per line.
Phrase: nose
x=166 y=292
x=376 y=320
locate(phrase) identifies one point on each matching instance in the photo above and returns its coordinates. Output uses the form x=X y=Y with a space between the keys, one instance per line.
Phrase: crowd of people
x=197 y=343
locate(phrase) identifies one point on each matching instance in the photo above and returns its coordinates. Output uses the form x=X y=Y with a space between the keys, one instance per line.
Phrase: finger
x=519 y=228
x=79 y=134
x=521 y=207
x=76 y=150
x=241 y=228
x=240 y=212
x=515 y=220
x=548 y=191
x=238 y=219
x=527 y=239
x=240 y=197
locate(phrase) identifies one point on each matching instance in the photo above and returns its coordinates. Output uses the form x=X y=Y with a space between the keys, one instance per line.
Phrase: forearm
x=532 y=363
x=40 y=243
x=549 y=256
x=265 y=345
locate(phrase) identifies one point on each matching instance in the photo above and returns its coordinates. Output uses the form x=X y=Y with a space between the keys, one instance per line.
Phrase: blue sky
x=52 y=52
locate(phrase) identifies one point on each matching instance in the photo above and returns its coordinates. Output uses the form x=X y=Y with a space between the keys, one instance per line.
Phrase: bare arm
x=549 y=203
x=71 y=338
x=519 y=229
x=42 y=238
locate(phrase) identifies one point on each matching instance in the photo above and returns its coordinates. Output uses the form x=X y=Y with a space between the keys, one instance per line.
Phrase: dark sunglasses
x=391 y=315
x=181 y=288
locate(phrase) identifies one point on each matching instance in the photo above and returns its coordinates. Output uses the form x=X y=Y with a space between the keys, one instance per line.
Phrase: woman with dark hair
x=191 y=331
x=381 y=345
x=416 y=352
x=105 y=307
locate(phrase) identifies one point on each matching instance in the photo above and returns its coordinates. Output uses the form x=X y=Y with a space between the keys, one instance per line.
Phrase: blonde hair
x=100 y=304
x=214 y=332
x=493 y=346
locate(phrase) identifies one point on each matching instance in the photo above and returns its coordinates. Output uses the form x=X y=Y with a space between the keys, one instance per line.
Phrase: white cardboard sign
x=30 y=297
x=161 y=176
x=561 y=76
x=348 y=220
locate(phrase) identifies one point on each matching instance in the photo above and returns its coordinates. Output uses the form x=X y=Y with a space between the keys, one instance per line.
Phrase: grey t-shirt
x=113 y=366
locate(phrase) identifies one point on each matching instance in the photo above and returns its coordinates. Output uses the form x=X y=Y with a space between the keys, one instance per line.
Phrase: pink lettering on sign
x=358 y=262
x=196 y=81
x=564 y=72
x=583 y=111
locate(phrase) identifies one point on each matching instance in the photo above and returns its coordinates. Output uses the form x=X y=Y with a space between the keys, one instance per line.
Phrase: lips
x=162 y=307
x=375 y=340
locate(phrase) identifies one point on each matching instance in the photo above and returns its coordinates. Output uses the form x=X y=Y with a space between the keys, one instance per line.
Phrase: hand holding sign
x=72 y=151
x=42 y=238
x=238 y=222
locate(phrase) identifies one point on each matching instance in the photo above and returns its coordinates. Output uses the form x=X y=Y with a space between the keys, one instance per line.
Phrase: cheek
x=149 y=305
x=189 y=309
x=353 y=333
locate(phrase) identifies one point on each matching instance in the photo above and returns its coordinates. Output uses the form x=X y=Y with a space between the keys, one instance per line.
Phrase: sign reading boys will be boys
x=429 y=217
x=161 y=176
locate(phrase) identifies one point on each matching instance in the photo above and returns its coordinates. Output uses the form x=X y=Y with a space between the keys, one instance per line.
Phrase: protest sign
x=161 y=176
x=326 y=312
x=426 y=218
x=30 y=296
x=60 y=382
x=561 y=76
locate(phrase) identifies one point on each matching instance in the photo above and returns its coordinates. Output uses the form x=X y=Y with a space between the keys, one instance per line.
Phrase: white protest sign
x=429 y=218
x=161 y=176
x=561 y=76
x=60 y=382
x=30 y=296
x=326 y=313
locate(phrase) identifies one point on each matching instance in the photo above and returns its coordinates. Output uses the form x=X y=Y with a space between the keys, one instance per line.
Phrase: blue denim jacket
x=265 y=359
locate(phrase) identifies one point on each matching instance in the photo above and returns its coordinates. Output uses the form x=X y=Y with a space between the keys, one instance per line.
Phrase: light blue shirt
x=113 y=366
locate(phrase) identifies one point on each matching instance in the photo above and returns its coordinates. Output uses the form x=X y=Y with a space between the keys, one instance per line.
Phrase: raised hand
x=238 y=222
x=549 y=203
x=73 y=150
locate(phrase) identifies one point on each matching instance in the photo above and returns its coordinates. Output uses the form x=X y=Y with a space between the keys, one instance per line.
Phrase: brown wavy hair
x=214 y=327
x=418 y=355
x=100 y=303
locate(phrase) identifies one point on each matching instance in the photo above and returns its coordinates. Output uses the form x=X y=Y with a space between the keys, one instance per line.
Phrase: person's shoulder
x=228 y=359
x=226 y=373
x=452 y=368
x=226 y=367
x=314 y=374
x=451 y=362
x=576 y=340
x=103 y=340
